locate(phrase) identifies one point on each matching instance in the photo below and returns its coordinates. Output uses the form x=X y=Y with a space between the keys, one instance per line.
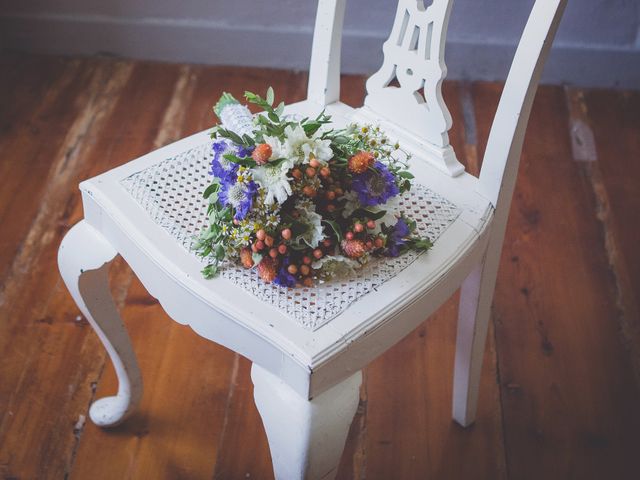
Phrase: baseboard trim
x=195 y=41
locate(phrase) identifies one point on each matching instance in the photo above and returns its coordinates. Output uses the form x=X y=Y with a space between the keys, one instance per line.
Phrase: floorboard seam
x=591 y=170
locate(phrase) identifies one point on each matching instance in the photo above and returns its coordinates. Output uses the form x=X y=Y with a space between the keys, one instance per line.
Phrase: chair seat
x=152 y=208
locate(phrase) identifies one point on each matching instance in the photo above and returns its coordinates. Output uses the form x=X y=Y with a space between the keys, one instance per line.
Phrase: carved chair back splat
x=307 y=379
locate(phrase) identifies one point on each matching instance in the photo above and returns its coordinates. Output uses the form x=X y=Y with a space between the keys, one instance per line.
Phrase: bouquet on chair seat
x=298 y=200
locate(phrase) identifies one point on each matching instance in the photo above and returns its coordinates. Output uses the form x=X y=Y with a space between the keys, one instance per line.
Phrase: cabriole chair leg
x=84 y=259
x=306 y=437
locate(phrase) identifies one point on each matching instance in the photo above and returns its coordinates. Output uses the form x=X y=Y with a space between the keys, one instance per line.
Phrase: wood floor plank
x=49 y=358
x=410 y=433
x=29 y=139
x=569 y=399
x=615 y=120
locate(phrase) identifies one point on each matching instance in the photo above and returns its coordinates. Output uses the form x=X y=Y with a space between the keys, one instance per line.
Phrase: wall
x=598 y=43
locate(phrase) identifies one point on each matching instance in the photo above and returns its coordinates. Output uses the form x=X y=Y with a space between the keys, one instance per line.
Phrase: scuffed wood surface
x=558 y=396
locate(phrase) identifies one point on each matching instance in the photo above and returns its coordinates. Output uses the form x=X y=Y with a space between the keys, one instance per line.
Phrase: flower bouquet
x=298 y=200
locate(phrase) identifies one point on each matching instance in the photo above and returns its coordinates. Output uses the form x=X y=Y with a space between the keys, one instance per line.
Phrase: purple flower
x=220 y=166
x=284 y=278
x=238 y=195
x=397 y=238
x=375 y=187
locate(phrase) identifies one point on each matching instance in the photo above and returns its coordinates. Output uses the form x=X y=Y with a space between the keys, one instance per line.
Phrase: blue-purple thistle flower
x=220 y=166
x=375 y=187
x=238 y=195
x=284 y=278
x=397 y=238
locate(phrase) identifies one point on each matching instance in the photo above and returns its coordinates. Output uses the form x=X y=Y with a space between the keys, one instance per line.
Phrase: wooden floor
x=560 y=395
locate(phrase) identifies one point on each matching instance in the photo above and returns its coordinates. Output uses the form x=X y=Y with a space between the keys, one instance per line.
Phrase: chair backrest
x=414 y=56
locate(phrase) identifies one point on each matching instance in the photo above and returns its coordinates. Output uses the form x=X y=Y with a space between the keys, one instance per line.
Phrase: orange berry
x=262 y=153
x=308 y=282
x=286 y=233
x=306 y=260
x=369 y=244
x=331 y=207
x=268 y=241
x=379 y=243
x=259 y=244
x=326 y=242
x=273 y=253
x=261 y=234
x=309 y=191
x=330 y=195
x=310 y=171
x=339 y=191
x=371 y=224
x=254 y=248
x=304 y=269
x=349 y=236
x=358 y=227
x=292 y=269
x=296 y=173
x=325 y=171
x=282 y=249
x=317 y=253
x=314 y=163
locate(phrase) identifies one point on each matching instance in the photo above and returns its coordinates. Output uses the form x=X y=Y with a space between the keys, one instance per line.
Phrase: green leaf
x=248 y=140
x=373 y=215
x=279 y=109
x=210 y=271
x=270 y=96
x=421 y=243
x=335 y=227
x=213 y=188
x=406 y=174
x=273 y=117
x=311 y=127
x=234 y=137
x=245 y=162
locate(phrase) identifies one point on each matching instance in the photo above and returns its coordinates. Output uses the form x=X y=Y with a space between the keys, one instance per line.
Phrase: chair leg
x=306 y=437
x=474 y=312
x=84 y=259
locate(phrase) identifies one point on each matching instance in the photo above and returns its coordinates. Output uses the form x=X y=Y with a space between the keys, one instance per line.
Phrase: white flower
x=351 y=205
x=392 y=212
x=391 y=209
x=278 y=149
x=273 y=179
x=301 y=148
x=314 y=234
x=335 y=266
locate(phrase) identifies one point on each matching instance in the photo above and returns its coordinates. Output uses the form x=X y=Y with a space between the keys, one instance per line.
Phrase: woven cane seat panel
x=171 y=193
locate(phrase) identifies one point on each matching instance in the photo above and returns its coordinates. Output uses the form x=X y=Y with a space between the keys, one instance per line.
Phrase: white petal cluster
x=273 y=179
x=314 y=234
x=301 y=148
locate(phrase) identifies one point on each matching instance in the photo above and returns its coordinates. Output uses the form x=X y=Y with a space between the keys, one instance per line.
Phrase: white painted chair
x=314 y=367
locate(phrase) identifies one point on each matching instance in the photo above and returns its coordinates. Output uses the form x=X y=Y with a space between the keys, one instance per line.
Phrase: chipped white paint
x=306 y=381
